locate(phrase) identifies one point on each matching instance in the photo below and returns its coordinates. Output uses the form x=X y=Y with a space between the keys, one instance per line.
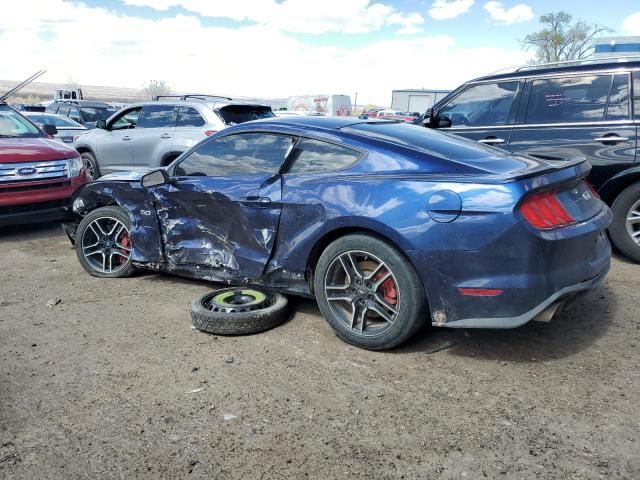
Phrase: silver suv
x=152 y=134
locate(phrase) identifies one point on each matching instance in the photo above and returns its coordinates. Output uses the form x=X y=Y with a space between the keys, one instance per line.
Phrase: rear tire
x=625 y=228
x=90 y=166
x=379 y=304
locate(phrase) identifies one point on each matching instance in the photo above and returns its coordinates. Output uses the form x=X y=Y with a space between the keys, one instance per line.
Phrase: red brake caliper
x=388 y=289
x=125 y=243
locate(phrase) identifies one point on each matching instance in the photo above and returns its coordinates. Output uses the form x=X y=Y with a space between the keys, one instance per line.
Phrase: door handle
x=611 y=139
x=165 y=135
x=257 y=202
x=127 y=137
x=492 y=141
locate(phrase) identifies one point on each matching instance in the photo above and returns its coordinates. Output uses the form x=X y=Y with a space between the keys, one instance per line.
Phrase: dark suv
x=84 y=112
x=559 y=111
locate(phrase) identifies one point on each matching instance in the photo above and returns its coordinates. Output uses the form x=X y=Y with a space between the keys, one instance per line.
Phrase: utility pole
x=355 y=104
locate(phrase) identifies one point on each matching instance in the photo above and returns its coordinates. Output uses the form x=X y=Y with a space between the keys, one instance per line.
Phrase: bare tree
x=561 y=40
x=156 y=87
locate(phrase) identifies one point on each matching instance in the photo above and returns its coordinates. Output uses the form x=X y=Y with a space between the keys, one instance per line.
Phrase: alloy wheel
x=89 y=169
x=633 y=222
x=362 y=292
x=106 y=245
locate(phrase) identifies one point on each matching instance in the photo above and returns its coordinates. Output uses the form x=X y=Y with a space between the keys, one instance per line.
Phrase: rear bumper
x=532 y=271
x=550 y=304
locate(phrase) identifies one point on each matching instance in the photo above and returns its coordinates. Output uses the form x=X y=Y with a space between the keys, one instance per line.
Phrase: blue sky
x=279 y=48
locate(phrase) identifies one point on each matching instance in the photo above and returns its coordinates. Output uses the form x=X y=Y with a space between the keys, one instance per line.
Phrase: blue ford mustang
x=386 y=224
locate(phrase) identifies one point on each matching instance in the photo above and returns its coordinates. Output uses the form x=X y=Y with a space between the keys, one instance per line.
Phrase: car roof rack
x=191 y=96
x=581 y=61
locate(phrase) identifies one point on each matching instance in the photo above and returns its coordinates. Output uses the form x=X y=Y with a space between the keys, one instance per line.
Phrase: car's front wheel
x=369 y=292
x=103 y=245
x=90 y=166
x=625 y=228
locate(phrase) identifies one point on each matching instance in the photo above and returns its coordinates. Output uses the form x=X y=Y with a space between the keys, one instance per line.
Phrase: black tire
x=238 y=319
x=410 y=302
x=90 y=166
x=86 y=237
x=619 y=232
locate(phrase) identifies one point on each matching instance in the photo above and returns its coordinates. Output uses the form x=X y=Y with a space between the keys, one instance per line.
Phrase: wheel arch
x=616 y=184
x=329 y=237
x=169 y=157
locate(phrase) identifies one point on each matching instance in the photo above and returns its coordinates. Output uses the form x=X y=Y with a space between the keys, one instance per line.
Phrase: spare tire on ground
x=238 y=311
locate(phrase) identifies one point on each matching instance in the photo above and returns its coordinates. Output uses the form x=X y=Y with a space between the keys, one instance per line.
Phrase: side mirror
x=443 y=122
x=50 y=129
x=155 y=179
x=102 y=124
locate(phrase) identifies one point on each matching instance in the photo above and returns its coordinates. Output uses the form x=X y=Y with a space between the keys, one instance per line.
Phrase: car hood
x=15 y=150
x=125 y=176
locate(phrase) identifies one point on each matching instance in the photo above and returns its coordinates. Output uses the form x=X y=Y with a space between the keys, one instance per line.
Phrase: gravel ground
x=112 y=382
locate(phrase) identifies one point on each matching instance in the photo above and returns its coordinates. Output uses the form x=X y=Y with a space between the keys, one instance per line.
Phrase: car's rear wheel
x=90 y=166
x=103 y=245
x=369 y=292
x=625 y=228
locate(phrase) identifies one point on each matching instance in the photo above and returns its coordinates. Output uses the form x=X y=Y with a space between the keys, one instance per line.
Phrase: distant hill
x=37 y=92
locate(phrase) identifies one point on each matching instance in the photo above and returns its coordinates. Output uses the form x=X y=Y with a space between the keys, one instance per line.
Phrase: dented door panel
x=224 y=225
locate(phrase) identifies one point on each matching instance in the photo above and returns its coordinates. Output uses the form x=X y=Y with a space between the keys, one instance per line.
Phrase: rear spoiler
x=21 y=85
x=551 y=164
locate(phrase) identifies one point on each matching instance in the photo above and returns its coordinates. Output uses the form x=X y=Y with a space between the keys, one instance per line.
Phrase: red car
x=37 y=174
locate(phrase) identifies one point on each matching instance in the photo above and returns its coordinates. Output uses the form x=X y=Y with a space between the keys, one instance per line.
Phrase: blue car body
x=449 y=204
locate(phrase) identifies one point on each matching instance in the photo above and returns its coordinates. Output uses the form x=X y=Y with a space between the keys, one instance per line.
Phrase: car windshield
x=244 y=113
x=12 y=124
x=93 y=114
x=56 y=120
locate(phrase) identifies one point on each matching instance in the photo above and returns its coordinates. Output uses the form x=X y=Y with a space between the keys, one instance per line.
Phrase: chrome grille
x=30 y=171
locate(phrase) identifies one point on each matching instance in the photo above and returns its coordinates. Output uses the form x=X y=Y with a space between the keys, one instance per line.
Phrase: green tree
x=561 y=39
x=156 y=87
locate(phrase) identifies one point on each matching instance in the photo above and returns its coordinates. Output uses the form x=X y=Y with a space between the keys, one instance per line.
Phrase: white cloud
x=446 y=9
x=300 y=16
x=97 y=46
x=631 y=24
x=516 y=14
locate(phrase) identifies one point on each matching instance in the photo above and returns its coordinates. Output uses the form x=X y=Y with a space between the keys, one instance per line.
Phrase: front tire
x=369 y=292
x=90 y=166
x=103 y=245
x=625 y=228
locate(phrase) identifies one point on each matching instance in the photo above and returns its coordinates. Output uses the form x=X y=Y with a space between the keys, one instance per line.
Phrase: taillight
x=544 y=211
x=208 y=133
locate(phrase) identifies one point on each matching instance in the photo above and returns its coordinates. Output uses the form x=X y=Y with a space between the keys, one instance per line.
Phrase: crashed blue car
x=387 y=225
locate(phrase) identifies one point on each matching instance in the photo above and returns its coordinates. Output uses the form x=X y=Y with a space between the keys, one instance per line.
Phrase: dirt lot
x=99 y=387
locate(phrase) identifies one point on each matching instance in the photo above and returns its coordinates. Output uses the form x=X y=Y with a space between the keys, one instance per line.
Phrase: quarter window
x=482 y=105
x=241 y=154
x=618 y=108
x=313 y=156
x=156 y=116
x=189 y=117
x=568 y=99
x=74 y=114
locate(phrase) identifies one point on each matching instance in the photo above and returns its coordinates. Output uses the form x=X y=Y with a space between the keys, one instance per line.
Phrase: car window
x=240 y=154
x=314 y=156
x=189 y=117
x=618 y=107
x=157 y=116
x=45 y=119
x=127 y=119
x=93 y=114
x=12 y=124
x=568 y=99
x=234 y=114
x=74 y=114
x=63 y=110
x=482 y=105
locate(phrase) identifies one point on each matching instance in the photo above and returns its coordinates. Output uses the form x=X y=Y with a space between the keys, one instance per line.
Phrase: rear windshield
x=244 y=113
x=12 y=124
x=56 y=120
x=93 y=114
x=438 y=144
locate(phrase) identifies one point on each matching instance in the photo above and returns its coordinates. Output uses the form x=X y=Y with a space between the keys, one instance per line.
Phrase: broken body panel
x=455 y=220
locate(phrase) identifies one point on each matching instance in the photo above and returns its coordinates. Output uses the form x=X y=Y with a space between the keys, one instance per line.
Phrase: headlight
x=74 y=165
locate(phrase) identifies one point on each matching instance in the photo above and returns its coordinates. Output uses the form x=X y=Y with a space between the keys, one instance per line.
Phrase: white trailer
x=416 y=100
x=334 y=105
